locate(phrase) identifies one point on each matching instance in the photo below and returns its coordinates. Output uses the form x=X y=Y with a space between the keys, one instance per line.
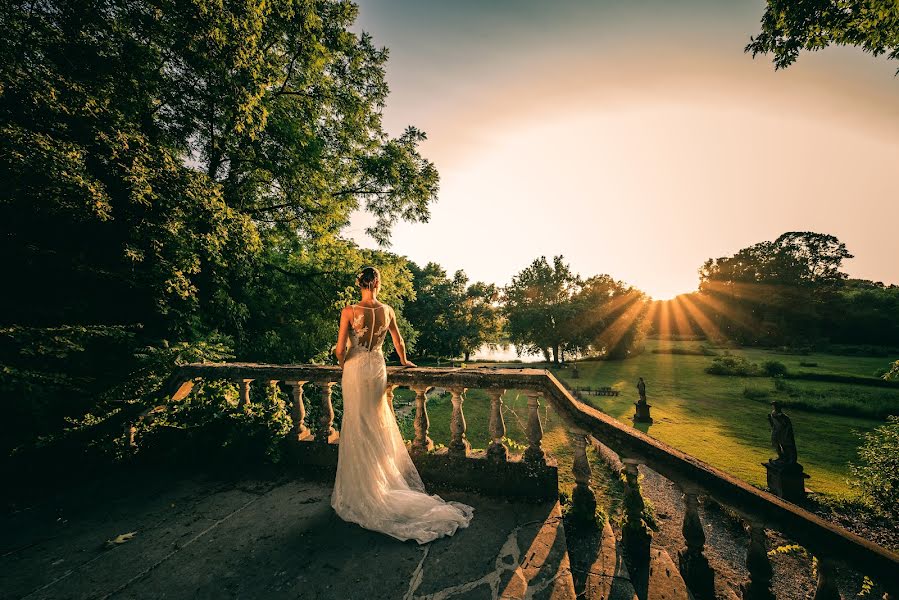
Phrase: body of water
x=501 y=354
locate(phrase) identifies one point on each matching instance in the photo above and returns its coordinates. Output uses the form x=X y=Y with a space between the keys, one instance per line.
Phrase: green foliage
x=791 y=294
x=876 y=474
x=208 y=425
x=774 y=368
x=837 y=400
x=703 y=350
x=733 y=365
x=790 y=26
x=552 y=310
x=754 y=393
x=184 y=172
x=893 y=373
x=788 y=549
x=451 y=317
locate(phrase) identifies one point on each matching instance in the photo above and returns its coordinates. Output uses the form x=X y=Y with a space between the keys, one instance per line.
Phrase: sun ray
x=732 y=313
x=616 y=330
x=681 y=322
x=712 y=332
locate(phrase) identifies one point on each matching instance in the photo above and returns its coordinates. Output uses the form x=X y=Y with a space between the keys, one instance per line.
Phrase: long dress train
x=377 y=485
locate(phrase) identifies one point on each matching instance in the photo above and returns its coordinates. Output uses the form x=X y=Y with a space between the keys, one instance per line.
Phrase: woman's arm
x=342 y=334
x=398 y=341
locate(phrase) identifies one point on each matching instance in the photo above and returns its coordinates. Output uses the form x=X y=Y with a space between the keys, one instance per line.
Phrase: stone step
x=665 y=581
x=544 y=569
x=597 y=566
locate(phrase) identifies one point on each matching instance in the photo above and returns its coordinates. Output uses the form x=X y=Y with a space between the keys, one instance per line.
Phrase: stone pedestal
x=786 y=480
x=641 y=412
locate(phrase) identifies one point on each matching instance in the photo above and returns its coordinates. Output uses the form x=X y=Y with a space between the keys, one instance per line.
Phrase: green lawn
x=704 y=415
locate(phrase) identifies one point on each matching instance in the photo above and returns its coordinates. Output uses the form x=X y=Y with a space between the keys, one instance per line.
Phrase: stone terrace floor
x=267 y=534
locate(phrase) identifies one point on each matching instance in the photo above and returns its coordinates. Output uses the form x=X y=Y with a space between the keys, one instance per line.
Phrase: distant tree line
x=787 y=292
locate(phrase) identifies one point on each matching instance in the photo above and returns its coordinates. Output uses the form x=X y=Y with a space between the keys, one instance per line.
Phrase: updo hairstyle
x=369 y=278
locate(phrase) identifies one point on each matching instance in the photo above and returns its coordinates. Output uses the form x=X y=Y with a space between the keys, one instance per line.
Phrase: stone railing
x=534 y=473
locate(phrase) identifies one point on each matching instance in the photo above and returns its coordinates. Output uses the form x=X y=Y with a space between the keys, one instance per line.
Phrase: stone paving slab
x=272 y=536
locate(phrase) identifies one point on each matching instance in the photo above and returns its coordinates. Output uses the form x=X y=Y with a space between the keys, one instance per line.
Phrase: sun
x=663 y=293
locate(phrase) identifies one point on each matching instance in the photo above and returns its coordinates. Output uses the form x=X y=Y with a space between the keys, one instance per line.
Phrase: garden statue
x=641 y=413
x=782 y=439
x=785 y=476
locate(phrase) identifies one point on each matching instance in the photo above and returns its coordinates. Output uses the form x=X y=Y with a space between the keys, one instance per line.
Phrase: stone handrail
x=762 y=509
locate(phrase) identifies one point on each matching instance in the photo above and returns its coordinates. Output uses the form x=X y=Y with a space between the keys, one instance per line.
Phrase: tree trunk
x=467 y=355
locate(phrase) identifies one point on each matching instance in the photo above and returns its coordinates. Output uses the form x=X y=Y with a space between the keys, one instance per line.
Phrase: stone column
x=243 y=399
x=422 y=443
x=694 y=566
x=497 y=450
x=827 y=587
x=583 y=500
x=635 y=535
x=299 y=431
x=759 y=585
x=534 y=452
x=326 y=432
x=459 y=445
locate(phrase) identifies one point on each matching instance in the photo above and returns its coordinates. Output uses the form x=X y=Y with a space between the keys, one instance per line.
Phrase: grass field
x=707 y=416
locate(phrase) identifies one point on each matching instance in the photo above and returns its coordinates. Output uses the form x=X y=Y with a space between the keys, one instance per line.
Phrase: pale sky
x=635 y=138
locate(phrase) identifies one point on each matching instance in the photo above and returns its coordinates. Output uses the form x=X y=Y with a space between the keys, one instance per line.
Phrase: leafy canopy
x=790 y=26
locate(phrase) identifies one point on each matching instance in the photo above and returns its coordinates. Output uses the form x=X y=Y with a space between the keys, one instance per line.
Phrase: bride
x=377 y=485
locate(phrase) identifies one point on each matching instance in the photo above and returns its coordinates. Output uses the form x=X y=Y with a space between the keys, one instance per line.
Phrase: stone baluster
x=534 y=452
x=635 y=535
x=326 y=432
x=694 y=566
x=459 y=445
x=497 y=451
x=299 y=431
x=243 y=399
x=388 y=396
x=583 y=500
x=827 y=587
x=422 y=443
x=759 y=585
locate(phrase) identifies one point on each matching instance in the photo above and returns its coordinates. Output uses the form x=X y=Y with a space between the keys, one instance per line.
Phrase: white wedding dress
x=377 y=485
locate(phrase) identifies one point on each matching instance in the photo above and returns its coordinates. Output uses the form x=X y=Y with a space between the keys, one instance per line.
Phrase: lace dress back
x=369 y=326
x=377 y=485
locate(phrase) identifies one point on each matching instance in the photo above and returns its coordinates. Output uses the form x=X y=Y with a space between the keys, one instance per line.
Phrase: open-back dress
x=377 y=485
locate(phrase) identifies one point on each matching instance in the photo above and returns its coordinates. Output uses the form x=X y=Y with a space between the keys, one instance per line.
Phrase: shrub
x=782 y=386
x=732 y=365
x=774 y=368
x=893 y=373
x=876 y=475
x=754 y=393
x=850 y=379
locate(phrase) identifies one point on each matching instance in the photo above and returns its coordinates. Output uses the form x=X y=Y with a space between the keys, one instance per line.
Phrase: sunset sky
x=635 y=138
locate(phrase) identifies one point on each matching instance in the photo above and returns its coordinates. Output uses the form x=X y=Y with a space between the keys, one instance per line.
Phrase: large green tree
x=451 y=317
x=538 y=307
x=175 y=169
x=551 y=309
x=776 y=292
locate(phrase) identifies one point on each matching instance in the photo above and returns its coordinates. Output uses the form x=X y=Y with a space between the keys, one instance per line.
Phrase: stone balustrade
x=500 y=472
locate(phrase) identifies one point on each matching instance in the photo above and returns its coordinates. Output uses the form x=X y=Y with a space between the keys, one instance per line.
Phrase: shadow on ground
x=266 y=535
